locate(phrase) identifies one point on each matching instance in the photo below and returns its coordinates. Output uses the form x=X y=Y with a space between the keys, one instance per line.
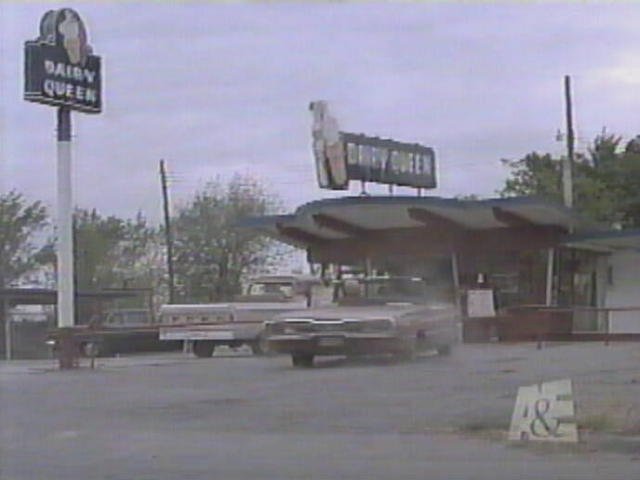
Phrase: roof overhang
x=366 y=218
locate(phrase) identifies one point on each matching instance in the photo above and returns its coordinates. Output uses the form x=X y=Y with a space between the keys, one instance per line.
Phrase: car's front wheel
x=300 y=360
x=408 y=352
x=260 y=346
x=203 y=348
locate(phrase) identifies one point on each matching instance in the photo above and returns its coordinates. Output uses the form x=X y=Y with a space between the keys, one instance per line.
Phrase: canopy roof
x=342 y=218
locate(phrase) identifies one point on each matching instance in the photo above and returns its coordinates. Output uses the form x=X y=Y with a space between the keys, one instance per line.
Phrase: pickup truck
x=241 y=322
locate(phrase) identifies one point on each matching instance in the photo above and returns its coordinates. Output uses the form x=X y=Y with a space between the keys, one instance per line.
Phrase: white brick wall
x=624 y=292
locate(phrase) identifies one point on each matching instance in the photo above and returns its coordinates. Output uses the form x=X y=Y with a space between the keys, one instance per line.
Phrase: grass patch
x=485 y=428
x=633 y=429
x=600 y=422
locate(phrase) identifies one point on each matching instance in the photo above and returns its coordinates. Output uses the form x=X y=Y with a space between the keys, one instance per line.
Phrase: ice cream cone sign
x=331 y=164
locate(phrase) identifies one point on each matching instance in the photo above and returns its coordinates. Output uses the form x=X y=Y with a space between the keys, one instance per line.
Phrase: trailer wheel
x=91 y=349
x=203 y=348
x=444 y=350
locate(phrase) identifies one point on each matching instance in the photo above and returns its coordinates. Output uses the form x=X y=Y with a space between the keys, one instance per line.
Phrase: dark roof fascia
x=265 y=221
x=314 y=205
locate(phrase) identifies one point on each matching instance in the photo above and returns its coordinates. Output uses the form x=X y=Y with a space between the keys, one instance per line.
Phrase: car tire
x=407 y=354
x=260 y=346
x=301 y=360
x=444 y=350
x=203 y=348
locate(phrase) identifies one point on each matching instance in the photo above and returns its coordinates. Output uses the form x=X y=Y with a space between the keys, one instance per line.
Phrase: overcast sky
x=221 y=88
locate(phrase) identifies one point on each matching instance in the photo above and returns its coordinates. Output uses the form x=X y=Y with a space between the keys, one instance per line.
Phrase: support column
x=456 y=278
x=456 y=292
x=549 y=289
x=8 y=341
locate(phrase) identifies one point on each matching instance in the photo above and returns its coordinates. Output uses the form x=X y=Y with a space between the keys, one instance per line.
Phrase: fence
x=538 y=323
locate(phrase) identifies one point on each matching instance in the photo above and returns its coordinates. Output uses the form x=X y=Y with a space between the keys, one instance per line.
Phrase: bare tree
x=213 y=253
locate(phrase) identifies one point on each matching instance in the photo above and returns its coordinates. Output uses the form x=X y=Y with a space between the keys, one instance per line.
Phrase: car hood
x=365 y=312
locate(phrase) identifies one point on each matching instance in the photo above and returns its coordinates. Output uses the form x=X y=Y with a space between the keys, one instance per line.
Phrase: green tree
x=606 y=180
x=96 y=239
x=212 y=254
x=20 y=222
x=629 y=184
x=109 y=250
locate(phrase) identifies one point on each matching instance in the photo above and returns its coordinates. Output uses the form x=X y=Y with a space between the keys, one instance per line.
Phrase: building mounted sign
x=331 y=165
x=372 y=159
x=60 y=69
x=341 y=157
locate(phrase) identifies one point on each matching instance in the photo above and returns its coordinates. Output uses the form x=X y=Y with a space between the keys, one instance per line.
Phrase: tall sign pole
x=567 y=163
x=66 y=311
x=62 y=71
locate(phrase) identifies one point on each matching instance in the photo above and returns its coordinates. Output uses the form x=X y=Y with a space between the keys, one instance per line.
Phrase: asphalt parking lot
x=235 y=416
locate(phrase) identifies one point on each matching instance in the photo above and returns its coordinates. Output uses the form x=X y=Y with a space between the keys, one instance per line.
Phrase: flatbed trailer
x=94 y=341
x=207 y=326
x=233 y=324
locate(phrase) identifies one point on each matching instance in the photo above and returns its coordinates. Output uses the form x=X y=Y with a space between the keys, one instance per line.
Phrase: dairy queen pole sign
x=62 y=71
x=60 y=68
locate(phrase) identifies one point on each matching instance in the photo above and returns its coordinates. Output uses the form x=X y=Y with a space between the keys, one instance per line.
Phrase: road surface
x=235 y=416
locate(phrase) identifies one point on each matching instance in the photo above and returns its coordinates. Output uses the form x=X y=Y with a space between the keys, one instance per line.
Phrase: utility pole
x=567 y=163
x=167 y=231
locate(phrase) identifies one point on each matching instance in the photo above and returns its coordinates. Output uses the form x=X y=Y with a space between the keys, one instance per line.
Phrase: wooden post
x=567 y=163
x=8 y=347
x=167 y=230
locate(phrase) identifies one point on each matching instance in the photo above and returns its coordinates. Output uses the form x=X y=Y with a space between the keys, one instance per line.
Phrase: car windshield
x=128 y=318
x=270 y=288
x=402 y=289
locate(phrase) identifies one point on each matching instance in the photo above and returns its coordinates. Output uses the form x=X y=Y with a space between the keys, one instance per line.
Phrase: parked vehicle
x=385 y=315
x=118 y=331
x=237 y=323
